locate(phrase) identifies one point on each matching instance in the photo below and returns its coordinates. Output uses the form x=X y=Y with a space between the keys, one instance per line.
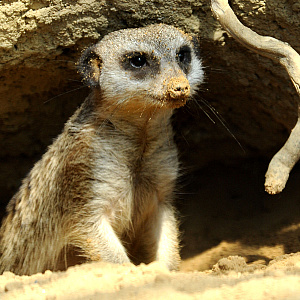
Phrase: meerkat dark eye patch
x=135 y=60
x=184 y=57
x=140 y=64
x=138 y=60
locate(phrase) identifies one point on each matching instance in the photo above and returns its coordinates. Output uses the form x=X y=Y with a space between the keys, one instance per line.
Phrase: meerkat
x=106 y=184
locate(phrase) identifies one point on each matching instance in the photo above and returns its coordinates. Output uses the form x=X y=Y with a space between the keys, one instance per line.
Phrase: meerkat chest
x=155 y=168
x=133 y=178
x=153 y=175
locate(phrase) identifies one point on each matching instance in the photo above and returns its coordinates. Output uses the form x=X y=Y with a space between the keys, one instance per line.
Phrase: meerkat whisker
x=204 y=111
x=64 y=93
x=222 y=121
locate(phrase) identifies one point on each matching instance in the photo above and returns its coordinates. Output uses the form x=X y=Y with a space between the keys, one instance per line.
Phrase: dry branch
x=285 y=159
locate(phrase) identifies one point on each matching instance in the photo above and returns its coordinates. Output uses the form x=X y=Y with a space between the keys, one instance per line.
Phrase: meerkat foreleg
x=167 y=237
x=102 y=243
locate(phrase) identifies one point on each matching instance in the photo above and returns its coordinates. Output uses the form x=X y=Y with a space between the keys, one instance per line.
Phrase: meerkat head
x=152 y=66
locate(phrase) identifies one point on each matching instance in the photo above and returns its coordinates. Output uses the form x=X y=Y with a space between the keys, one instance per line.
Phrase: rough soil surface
x=235 y=238
x=230 y=278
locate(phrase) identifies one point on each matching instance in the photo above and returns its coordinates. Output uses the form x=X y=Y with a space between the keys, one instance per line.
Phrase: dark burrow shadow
x=225 y=204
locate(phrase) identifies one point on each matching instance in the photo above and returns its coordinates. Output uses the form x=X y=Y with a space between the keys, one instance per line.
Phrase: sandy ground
x=236 y=244
x=231 y=278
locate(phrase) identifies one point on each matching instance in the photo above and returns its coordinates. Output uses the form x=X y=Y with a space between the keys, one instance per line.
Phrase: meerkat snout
x=178 y=88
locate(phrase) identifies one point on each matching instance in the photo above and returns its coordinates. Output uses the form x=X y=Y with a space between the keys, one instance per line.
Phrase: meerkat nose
x=181 y=89
x=178 y=87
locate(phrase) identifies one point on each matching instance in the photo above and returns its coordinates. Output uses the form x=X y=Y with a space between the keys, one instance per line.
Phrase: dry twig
x=285 y=159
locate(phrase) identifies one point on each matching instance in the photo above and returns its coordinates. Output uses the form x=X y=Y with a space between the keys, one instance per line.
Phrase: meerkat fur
x=106 y=184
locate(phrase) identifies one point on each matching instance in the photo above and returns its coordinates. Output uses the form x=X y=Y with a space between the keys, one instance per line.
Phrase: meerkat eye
x=138 y=60
x=184 y=55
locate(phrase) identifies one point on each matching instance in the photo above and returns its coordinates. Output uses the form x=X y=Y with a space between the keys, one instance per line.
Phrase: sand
x=230 y=278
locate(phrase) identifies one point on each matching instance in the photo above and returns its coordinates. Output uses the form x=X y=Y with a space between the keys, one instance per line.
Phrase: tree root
x=284 y=160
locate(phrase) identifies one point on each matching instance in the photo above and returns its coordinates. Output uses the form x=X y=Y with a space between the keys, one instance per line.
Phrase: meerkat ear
x=89 y=66
x=196 y=45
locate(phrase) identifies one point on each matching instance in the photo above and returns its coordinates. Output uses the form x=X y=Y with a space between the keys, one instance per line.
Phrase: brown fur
x=106 y=184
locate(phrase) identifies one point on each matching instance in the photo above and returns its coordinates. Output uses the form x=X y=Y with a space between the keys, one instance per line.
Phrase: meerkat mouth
x=174 y=102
